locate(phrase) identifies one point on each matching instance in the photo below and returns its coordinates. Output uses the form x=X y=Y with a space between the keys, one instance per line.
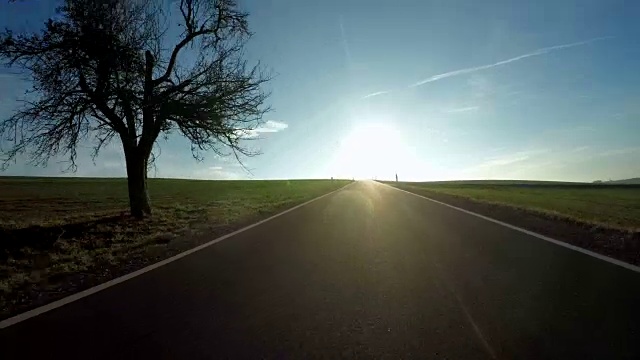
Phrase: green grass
x=53 y=201
x=609 y=206
x=50 y=227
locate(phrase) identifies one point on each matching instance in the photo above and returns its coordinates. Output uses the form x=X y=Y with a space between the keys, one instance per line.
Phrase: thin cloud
x=579 y=149
x=268 y=127
x=272 y=126
x=375 y=94
x=507 y=61
x=211 y=173
x=622 y=151
x=509 y=159
x=462 y=109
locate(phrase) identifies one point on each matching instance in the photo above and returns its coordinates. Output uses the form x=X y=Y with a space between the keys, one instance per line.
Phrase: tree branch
x=174 y=55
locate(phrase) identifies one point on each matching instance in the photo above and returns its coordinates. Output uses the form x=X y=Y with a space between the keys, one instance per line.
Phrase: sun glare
x=372 y=151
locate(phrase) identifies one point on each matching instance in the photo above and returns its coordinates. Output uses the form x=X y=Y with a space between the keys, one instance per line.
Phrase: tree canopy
x=135 y=70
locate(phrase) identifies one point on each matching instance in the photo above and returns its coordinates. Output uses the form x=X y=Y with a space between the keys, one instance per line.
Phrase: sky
x=426 y=89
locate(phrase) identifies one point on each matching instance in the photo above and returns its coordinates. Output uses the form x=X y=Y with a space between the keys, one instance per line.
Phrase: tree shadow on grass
x=17 y=243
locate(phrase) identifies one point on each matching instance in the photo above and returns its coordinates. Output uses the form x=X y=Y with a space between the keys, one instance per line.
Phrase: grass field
x=613 y=206
x=52 y=227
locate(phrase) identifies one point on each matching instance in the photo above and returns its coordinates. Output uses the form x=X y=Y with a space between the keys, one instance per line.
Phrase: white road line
x=82 y=294
x=539 y=236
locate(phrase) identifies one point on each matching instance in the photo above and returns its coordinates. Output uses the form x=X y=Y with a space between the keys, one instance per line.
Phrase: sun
x=374 y=150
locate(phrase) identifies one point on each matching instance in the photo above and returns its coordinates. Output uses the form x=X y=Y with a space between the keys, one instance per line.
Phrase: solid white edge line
x=539 y=236
x=82 y=294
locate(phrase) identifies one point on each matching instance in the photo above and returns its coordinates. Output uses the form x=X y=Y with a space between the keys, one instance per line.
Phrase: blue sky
x=432 y=90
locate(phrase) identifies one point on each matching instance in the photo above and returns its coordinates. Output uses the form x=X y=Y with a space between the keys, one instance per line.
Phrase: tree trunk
x=137 y=181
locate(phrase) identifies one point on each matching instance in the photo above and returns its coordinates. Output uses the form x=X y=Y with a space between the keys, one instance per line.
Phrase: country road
x=367 y=272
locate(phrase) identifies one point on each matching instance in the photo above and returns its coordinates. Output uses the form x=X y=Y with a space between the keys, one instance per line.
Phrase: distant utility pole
x=396 y=177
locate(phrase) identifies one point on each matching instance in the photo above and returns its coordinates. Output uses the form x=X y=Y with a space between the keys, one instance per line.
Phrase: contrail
x=375 y=94
x=463 y=109
x=345 y=44
x=507 y=61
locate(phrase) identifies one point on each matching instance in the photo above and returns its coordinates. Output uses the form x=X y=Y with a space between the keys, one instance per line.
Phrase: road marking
x=539 y=236
x=82 y=294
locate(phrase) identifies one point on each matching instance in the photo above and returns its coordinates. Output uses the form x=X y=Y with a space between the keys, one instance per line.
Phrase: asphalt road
x=368 y=272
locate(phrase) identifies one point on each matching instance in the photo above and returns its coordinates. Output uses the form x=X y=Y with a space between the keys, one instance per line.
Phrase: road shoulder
x=617 y=244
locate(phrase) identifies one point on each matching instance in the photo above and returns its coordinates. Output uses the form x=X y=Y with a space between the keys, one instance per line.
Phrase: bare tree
x=106 y=68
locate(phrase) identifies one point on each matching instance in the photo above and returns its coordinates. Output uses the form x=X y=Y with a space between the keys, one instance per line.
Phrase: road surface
x=367 y=272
